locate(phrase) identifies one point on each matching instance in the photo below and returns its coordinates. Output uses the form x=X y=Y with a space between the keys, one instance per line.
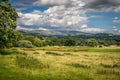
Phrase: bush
x=25 y=43
x=8 y=51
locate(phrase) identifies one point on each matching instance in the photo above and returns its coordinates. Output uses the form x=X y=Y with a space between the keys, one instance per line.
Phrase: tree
x=54 y=41
x=92 y=43
x=36 y=41
x=70 y=42
x=8 y=16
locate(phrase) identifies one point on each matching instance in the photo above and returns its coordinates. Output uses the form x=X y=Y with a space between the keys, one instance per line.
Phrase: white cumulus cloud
x=63 y=16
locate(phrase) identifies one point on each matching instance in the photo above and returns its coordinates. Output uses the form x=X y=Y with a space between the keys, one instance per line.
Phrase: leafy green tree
x=29 y=38
x=54 y=41
x=36 y=41
x=70 y=42
x=81 y=42
x=92 y=43
x=8 y=16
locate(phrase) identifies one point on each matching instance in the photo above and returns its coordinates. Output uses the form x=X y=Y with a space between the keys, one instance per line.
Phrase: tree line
x=81 y=40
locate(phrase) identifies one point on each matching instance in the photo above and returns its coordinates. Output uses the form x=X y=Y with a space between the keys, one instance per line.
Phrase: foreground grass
x=60 y=63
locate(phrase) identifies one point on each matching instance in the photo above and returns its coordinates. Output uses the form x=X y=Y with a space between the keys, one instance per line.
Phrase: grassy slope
x=61 y=63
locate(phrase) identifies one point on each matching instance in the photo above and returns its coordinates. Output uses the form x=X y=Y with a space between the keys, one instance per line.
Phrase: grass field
x=60 y=63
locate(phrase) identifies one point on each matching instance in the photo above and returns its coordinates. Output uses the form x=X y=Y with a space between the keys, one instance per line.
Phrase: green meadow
x=60 y=63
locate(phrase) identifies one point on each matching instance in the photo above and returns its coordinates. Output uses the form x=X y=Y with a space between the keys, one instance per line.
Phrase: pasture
x=60 y=63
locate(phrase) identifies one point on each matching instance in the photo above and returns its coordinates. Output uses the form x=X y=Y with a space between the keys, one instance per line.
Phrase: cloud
x=117 y=9
x=33 y=20
x=64 y=14
x=51 y=2
x=56 y=17
x=28 y=19
x=103 y=5
x=89 y=5
x=84 y=26
x=22 y=4
x=115 y=30
x=93 y=30
x=116 y=20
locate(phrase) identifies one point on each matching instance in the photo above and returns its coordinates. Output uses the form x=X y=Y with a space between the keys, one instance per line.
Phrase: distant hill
x=53 y=32
x=63 y=33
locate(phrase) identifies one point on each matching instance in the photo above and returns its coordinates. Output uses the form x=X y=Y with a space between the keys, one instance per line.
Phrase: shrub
x=5 y=52
x=8 y=51
x=25 y=43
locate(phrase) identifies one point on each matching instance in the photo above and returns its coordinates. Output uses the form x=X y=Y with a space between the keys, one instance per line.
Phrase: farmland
x=60 y=63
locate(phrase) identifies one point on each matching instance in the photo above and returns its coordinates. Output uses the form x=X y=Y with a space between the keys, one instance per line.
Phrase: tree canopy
x=8 y=17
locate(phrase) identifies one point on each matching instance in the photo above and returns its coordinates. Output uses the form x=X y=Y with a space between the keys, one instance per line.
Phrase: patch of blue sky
x=32 y=8
x=102 y=19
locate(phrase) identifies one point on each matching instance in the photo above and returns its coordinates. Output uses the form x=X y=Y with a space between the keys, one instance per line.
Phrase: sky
x=91 y=16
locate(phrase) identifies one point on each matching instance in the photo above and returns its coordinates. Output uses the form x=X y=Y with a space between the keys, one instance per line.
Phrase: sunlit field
x=60 y=63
